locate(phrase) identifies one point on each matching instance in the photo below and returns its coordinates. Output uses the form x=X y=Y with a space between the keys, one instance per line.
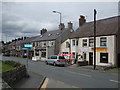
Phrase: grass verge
x=8 y=65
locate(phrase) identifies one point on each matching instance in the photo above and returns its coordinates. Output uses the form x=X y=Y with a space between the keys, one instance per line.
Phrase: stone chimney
x=25 y=38
x=61 y=26
x=43 y=31
x=82 y=20
x=70 y=25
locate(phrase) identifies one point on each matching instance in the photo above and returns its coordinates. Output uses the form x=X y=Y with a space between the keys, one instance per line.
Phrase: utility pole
x=95 y=12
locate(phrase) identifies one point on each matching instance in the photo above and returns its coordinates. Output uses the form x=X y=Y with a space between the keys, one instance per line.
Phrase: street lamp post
x=61 y=30
x=58 y=13
x=95 y=12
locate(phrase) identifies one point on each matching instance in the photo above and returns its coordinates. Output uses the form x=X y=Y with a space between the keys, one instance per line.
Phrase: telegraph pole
x=95 y=12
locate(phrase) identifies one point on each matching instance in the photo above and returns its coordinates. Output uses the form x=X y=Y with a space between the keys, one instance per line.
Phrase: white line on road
x=85 y=75
x=114 y=81
x=79 y=73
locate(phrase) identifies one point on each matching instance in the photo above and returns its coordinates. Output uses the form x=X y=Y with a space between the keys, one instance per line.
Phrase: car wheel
x=54 y=64
x=46 y=63
x=63 y=65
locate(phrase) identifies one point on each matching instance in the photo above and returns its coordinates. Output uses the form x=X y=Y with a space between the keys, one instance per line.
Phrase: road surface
x=76 y=77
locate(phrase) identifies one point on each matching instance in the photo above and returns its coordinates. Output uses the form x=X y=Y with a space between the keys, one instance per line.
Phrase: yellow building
x=82 y=42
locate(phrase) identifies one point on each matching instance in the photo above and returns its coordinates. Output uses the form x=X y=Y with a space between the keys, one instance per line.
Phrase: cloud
x=27 y=19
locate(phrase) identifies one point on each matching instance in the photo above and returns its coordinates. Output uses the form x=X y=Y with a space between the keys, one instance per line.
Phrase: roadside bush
x=12 y=63
x=108 y=68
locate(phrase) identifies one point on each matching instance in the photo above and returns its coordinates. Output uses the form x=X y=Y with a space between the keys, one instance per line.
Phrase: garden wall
x=14 y=75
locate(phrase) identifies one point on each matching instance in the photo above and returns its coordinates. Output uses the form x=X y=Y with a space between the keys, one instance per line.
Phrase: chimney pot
x=43 y=31
x=70 y=25
x=82 y=20
x=61 y=26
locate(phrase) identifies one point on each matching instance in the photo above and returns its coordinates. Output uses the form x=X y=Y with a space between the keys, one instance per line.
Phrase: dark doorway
x=90 y=58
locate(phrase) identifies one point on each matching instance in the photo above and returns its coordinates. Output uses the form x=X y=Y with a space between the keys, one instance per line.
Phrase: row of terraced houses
x=76 y=42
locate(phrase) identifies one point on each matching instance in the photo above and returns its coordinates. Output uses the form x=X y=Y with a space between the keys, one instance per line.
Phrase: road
x=76 y=77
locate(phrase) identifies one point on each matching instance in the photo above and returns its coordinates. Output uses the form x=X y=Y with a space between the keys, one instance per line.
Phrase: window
x=37 y=53
x=67 y=45
x=43 y=44
x=91 y=42
x=52 y=43
x=84 y=42
x=76 y=42
x=61 y=57
x=49 y=35
x=103 y=41
x=43 y=54
x=73 y=42
x=53 y=57
x=84 y=56
x=65 y=52
x=104 y=57
x=73 y=54
x=33 y=44
x=49 y=57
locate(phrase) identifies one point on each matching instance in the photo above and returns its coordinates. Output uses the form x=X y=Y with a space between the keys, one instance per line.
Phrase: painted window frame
x=84 y=41
x=91 y=42
x=67 y=45
x=103 y=41
x=73 y=42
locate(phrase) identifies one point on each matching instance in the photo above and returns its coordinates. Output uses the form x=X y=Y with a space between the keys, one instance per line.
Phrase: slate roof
x=27 y=40
x=50 y=35
x=30 y=39
x=108 y=26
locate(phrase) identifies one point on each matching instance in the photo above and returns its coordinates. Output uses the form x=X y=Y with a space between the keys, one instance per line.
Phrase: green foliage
x=8 y=65
x=12 y=63
x=108 y=68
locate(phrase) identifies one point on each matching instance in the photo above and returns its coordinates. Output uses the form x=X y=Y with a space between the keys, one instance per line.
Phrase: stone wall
x=14 y=75
x=5 y=86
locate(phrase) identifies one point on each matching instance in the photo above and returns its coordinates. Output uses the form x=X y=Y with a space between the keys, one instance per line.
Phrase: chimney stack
x=61 y=26
x=70 y=25
x=82 y=20
x=43 y=31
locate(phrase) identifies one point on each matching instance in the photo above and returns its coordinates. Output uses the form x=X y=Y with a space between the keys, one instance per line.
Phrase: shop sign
x=27 y=45
x=100 y=49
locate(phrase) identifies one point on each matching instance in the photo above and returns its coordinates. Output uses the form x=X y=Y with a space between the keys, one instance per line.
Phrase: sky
x=28 y=18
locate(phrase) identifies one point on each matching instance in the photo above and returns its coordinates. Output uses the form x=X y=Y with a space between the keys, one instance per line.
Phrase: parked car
x=56 y=60
x=6 y=54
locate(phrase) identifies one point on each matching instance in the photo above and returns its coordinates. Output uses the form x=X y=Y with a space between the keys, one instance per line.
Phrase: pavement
x=52 y=83
x=0 y=83
x=34 y=81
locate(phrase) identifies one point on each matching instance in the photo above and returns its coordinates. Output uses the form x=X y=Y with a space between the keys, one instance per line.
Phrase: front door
x=90 y=58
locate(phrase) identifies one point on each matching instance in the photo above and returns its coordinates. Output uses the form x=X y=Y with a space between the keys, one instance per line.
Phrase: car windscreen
x=53 y=57
x=49 y=57
x=61 y=57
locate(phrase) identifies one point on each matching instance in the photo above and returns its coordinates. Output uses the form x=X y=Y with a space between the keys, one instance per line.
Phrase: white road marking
x=85 y=75
x=79 y=74
x=60 y=82
x=114 y=81
x=75 y=87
